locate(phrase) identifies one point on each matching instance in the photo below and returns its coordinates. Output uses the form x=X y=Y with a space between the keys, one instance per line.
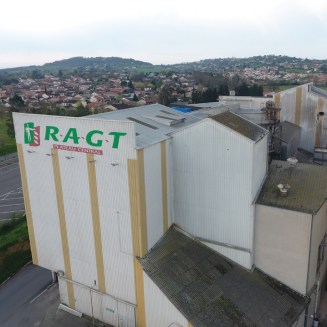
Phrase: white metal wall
x=78 y=214
x=113 y=201
x=44 y=208
x=170 y=193
x=102 y=307
x=116 y=230
x=213 y=183
x=260 y=151
x=244 y=101
x=159 y=311
x=153 y=193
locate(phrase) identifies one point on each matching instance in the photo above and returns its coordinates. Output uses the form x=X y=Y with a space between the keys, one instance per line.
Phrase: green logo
x=31 y=134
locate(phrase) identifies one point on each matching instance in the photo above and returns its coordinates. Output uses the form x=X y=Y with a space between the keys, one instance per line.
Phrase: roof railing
x=318 y=91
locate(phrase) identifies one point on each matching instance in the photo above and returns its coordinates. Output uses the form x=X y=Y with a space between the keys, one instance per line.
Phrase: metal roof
x=148 y=128
x=308 y=183
x=241 y=125
x=212 y=291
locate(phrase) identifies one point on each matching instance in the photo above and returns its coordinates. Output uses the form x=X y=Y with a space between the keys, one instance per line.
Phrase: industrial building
x=154 y=217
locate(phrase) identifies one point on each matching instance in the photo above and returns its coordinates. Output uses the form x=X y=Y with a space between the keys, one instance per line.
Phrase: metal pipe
x=317 y=298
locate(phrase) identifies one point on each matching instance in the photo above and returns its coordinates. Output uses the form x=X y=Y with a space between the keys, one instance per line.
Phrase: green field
x=286 y=87
x=14 y=247
x=297 y=70
x=151 y=70
x=10 y=144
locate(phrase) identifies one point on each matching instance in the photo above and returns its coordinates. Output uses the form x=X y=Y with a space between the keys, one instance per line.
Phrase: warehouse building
x=149 y=217
x=306 y=106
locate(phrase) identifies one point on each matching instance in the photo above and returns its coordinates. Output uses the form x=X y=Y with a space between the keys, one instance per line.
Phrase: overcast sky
x=35 y=32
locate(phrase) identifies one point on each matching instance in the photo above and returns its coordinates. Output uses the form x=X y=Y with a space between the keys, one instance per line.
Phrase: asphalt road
x=21 y=289
x=11 y=196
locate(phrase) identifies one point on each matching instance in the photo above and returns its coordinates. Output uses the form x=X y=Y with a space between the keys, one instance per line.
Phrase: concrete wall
x=319 y=228
x=281 y=245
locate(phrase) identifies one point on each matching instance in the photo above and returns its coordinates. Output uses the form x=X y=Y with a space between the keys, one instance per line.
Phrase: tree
x=17 y=100
x=123 y=83
x=130 y=85
x=36 y=74
x=60 y=73
x=165 y=97
x=10 y=123
x=81 y=110
x=135 y=98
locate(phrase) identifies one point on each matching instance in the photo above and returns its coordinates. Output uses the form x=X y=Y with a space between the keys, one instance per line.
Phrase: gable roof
x=210 y=290
x=241 y=125
x=308 y=183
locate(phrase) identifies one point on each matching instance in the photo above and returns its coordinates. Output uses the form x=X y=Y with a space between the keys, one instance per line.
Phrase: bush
x=13 y=262
x=15 y=219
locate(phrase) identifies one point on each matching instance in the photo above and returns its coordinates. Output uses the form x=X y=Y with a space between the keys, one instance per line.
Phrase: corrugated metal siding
x=43 y=201
x=78 y=214
x=113 y=199
x=105 y=308
x=116 y=230
x=243 y=101
x=260 y=152
x=212 y=168
x=153 y=193
x=160 y=312
x=309 y=110
x=169 y=181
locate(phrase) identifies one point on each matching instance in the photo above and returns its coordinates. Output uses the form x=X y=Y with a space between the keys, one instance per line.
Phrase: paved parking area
x=11 y=196
x=22 y=305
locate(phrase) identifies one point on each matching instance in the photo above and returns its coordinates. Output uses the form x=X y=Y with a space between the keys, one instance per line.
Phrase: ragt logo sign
x=93 y=138
x=32 y=134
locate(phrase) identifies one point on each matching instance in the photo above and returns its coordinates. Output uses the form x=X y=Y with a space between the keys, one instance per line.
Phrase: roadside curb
x=15 y=274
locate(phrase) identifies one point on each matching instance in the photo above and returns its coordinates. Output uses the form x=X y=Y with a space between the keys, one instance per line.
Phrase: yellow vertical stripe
x=277 y=104
x=27 y=203
x=139 y=231
x=63 y=227
x=298 y=105
x=143 y=230
x=164 y=186
x=189 y=325
x=134 y=203
x=320 y=122
x=96 y=221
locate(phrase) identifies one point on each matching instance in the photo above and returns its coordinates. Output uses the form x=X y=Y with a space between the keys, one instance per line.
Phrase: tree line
x=210 y=95
x=79 y=111
x=245 y=90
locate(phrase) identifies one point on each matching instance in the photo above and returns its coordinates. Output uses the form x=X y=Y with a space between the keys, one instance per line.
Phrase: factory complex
x=156 y=216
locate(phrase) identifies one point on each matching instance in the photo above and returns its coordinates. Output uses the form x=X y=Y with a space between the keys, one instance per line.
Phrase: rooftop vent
x=168 y=121
x=283 y=187
x=293 y=161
